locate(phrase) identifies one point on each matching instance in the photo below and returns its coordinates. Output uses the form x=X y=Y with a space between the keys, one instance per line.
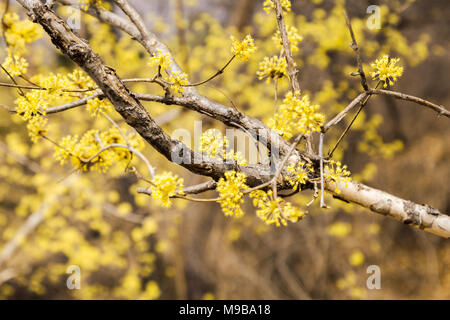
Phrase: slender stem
x=322 y=183
x=355 y=48
x=280 y=168
x=219 y=72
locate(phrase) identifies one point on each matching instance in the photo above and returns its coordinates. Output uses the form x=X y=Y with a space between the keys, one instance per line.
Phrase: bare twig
x=402 y=96
x=322 y=183
x=355 y=48
x=219 y=72
x=344 y=112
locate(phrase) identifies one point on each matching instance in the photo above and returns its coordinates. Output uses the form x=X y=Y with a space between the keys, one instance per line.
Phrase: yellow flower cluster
x=85 y=4
x=272 y=68
x=299 y=174
x=89 y=147
x=95 y=106
x=268 y=5
x=296 y=115
x=19 y=32
x=294 y=38
x=230 y=191
x=54 y=84
x=78 y=79
x=15 y=65
x=215 y=145
x=177 y=82
x=166 y=185
x=243 y=49
x=163 y=61
x=274 y=210
x=386 y=70
x=334 y=171
x=56 y=88
x=37 y=127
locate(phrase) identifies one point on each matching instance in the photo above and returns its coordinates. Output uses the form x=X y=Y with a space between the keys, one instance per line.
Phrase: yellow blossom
x=80 y=80
x=15 y=65
x=30 y=105
x=37 y=127
x=65 y=149
x=166 y=185
x=268 y=5
x=215 y=145
x=177 y=82
x=243 y=49
x=89 y=147
x=296 y=115
x=85 y=4
x=275 y=210
x=386 y=70
x=294 y=38
x=230 y=191
x=334 y=171
x=18 y=32
x=299 y=174
x=163 y=61
x=95 y=106
x=272 y=68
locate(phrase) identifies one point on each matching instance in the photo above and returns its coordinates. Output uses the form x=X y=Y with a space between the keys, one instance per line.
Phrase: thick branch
x=421 y=216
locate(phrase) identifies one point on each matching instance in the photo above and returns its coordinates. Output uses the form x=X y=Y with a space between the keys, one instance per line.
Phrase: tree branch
x=421 y=216
x=402 y=96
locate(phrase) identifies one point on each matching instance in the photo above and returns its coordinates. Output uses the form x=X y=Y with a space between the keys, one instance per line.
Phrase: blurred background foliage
x=128 y=246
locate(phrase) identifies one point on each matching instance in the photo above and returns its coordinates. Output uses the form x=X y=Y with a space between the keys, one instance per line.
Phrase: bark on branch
x=421 y=216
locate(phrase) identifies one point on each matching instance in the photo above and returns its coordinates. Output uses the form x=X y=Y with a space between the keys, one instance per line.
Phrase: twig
x=74 y=104
x=292 y=70
x=322 y=184
x=196 y=189
x=402 y=96
x=280 y=168
x=151 y=170
x=344 y=112
x=330 y=153
x=361 y=106
x=355 y=48
x=12 y=79
x=219 y=72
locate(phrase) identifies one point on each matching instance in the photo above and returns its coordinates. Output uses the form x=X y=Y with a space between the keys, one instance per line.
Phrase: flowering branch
x=127 y=104
x=292 y=69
